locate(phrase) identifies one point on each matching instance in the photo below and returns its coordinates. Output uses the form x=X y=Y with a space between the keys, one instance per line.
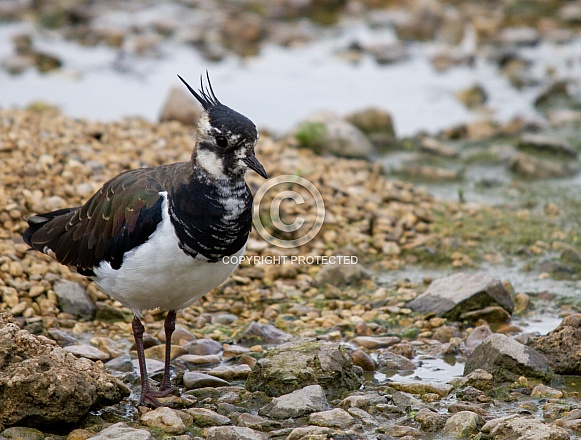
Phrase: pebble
x=74 y=299
x=120 y=431
x=334 y=418
x=544 y=391
x=168 y=420
x=205 y=417
x=463 y=424
x=88 y=351
x=194 y=379
x=375 y=342
x=123 y=364
x=307 y=400
x=363 y=360
x=392 y=361
x=158 y=352
x=203 y=347
x=108 y=346
x=180 y=336
x=22 y=433
x=234 y=433
x=193 y=361
x=228 y=372
x=364 y=417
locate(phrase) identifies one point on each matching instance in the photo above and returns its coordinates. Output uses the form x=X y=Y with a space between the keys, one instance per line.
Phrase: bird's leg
x=147 y=394
x=169 y=326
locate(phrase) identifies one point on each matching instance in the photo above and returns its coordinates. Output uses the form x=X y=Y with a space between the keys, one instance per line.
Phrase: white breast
x=158 y=274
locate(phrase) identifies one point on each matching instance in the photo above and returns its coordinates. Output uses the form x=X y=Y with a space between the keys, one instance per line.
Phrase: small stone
x=22 y=433
x=181 y=335
x=74 y=299
x=234 y=433
x=399 y=431
x=309 y=432
x=544 y=391
x=374 y=342
x=193 y=361
x=158 y=352
x=203 y=347
x=363 y=360
x=341 y=274
x=179 y=106
x=364 y=417
x=62 y=338
x=205 y=417
x=463 y=424
x=490 y=314
x=406 y=401
x=442 y=390
x=121 y=431
x=387 y=359
x=334 y=418
x=327 y=132
x=194 y=379
x=266 y=334
x=108 y=346
x=546 y=144
x=228 y=372
x=472 y=97
x=430 y=421
x=307 y=400
x=232 y=351
x=476 y=337
x=437 y=148
x=167 y=419
x=88 y=351
x=122 y=364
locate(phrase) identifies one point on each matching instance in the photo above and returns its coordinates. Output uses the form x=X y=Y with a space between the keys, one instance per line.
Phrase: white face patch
x=211 y=163
x=204 y=127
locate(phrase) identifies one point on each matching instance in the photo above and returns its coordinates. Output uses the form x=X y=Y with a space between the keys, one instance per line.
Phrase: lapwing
x=157 y=237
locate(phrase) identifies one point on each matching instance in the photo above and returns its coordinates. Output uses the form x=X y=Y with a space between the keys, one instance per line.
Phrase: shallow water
x=280 y=86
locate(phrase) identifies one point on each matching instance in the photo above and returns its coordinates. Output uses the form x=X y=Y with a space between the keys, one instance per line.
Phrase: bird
x=157 y=237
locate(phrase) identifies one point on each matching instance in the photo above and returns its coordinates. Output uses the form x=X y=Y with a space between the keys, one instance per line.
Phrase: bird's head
x=226 y=138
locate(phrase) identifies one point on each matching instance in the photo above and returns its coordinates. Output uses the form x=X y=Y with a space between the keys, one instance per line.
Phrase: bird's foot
x=163 y=391
x=149 y=397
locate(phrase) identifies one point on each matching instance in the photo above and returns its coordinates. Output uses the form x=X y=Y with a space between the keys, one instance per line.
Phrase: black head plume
x=206 y=96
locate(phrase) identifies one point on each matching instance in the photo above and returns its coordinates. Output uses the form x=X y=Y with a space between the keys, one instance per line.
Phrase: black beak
x=254 y=165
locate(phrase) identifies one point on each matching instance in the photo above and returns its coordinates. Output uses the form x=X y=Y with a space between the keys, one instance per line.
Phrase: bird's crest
x=205 y=96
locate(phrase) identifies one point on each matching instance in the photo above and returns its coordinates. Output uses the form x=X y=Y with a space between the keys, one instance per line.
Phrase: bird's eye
x=221 y=141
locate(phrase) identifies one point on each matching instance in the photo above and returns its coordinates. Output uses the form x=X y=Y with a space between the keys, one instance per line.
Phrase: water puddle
x=281 y=85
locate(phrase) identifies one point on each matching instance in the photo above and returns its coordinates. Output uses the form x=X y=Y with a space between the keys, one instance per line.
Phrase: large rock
x=562 y=346
x=42 y=384
x=293 y=366
x=327 y=132
x=453 y=296
x=517 y=427
x=507 y=360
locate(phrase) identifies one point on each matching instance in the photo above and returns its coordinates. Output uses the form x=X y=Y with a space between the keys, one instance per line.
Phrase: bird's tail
x=35 y=222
